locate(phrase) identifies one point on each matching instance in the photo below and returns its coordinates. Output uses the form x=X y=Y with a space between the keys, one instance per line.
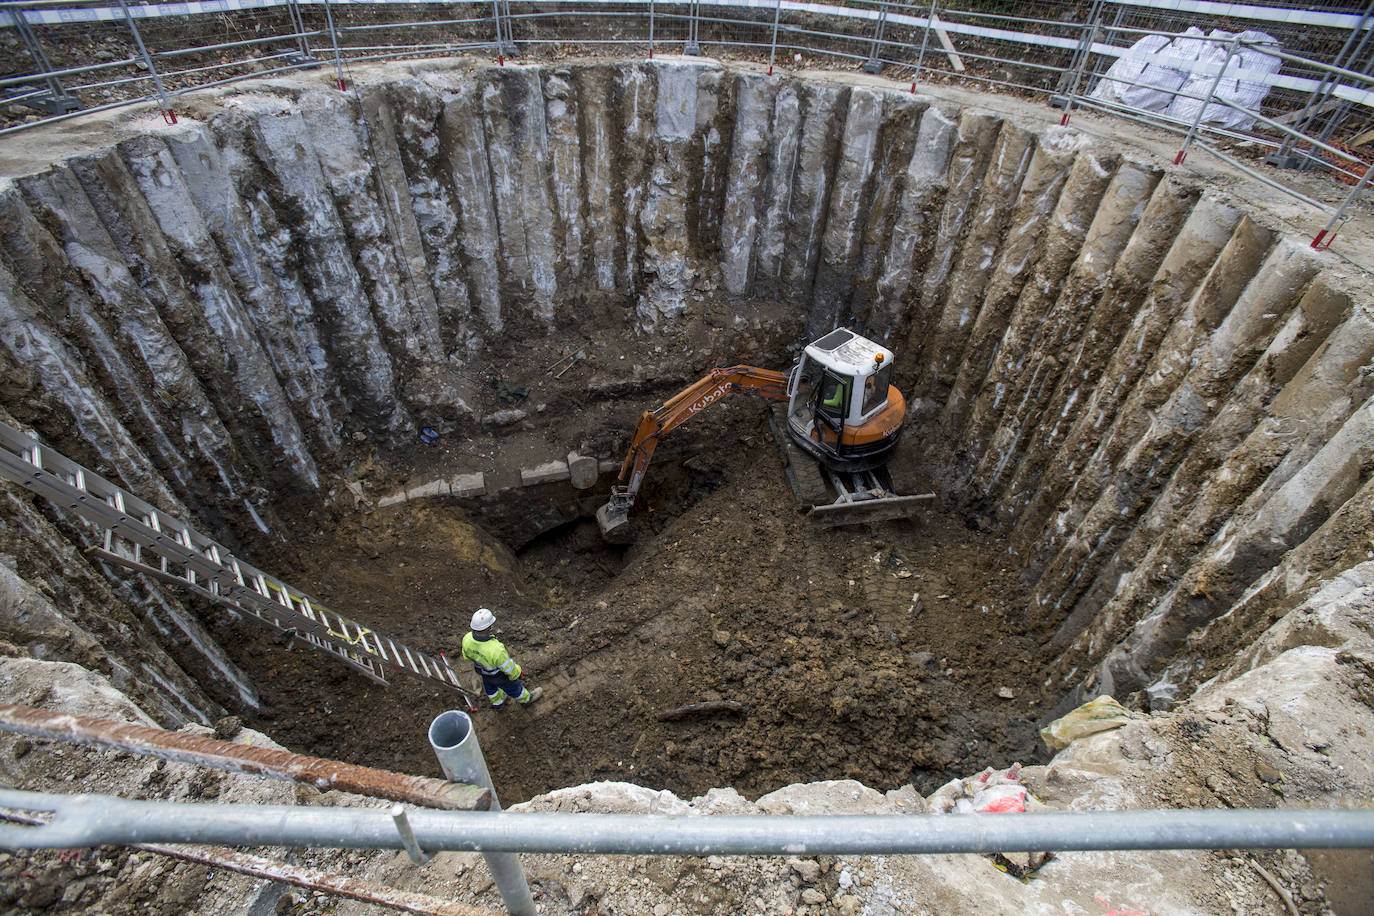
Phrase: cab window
x=834 y=396
x=808 y=380
x=875 y=389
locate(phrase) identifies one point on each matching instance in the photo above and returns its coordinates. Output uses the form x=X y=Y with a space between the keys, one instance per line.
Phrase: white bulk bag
x=1170 y=69
x=1247 y=91
x=1128 y=66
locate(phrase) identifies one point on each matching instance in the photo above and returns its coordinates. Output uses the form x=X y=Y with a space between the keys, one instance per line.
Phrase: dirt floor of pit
x=891 y=653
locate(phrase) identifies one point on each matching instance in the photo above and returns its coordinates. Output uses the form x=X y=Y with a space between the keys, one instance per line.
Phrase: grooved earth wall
x=1161 y=399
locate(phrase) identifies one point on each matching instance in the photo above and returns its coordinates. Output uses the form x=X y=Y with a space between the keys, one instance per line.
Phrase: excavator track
x=834 y=498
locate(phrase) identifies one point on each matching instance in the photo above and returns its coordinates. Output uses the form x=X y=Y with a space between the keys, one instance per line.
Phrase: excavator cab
x=842 y=406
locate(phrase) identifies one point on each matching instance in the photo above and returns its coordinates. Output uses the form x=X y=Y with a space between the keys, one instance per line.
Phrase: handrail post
x=773 y=48
x=58 y=101
x=1090 y=37
x=508 y=48
x=500 y=39
x=925 y=41
x=298 y=21
x=693 y=45
x=504 y=35
x=651 y=29
x=1328 y=234
x=334 y=39
x=873 y=65
x=167 y=114
x=455 y=744
x=1084 y=45
x=1202 y=109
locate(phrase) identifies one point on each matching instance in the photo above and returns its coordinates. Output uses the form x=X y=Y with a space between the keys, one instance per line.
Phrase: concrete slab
x=432 y=488
x=582 y=470
x=549 y=472
x=465 y=486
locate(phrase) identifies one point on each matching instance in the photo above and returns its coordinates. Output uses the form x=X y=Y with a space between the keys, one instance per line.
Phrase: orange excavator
x=843 y=419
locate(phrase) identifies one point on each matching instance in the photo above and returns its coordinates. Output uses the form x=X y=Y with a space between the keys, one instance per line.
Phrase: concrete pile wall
x=1156 y=395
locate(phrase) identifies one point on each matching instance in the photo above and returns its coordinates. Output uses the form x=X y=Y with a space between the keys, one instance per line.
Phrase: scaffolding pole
x=90 y=820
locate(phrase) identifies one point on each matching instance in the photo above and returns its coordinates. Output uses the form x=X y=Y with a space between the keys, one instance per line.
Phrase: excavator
x=843 y=418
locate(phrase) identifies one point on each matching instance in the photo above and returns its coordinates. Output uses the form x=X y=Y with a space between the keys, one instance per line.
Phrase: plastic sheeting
x=1174 y=76
x=1100 y=715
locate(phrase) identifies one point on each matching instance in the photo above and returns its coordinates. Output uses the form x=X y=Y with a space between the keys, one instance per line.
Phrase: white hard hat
x=483 y=619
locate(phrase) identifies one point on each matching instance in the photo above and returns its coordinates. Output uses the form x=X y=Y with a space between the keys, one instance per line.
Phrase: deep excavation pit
x=1144 y=407
x=874 y=653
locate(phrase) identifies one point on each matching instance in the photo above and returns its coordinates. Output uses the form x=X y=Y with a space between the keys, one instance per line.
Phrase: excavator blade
x=867 y=510
x=614 y=521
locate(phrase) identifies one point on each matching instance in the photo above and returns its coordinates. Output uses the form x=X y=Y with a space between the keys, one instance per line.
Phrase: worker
x=499 y=672
x=835 y=398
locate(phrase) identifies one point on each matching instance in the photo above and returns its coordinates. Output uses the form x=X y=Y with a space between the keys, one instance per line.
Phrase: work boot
x=535 y=694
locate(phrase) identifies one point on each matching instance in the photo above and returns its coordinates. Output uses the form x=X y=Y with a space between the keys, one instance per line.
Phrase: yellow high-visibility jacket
x=489 y=657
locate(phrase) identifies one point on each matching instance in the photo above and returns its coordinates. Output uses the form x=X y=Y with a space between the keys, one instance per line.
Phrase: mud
x=874 y=653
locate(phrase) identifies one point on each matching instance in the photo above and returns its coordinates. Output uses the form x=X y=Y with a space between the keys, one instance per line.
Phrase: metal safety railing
x=87 y=820
x=43 y=820
x=1057 y=49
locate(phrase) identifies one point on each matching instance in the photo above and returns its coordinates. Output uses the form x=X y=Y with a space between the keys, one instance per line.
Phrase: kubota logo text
x=706 y=400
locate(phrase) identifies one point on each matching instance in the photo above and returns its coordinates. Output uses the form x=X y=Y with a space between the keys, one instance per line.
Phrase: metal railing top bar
x=90 y=820
x=298 y=875
x=246 y=62
x=489 y=46
x=1298 y=15
x=345 y=29
x=1002 y=17
x=69 y=71
x=953 y=26
x=1275 y=14
x=125 y=81
x=285 y=36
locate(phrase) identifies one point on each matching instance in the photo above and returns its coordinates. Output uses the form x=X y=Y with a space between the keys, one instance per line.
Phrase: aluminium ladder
x=141 y=537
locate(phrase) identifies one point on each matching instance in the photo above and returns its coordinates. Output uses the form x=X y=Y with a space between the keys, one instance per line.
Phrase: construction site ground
x=890 y=653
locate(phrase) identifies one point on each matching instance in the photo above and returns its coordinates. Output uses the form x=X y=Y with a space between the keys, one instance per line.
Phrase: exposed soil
x=873 y=652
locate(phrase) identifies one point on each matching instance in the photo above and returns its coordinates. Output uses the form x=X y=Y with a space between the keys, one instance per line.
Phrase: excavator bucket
x=867 y=510
x=614 y=521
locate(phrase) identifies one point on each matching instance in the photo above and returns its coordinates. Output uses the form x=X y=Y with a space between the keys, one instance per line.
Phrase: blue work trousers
x=513 y=688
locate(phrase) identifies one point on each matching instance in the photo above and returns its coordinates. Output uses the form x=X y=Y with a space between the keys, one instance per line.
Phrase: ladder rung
x=425 y=664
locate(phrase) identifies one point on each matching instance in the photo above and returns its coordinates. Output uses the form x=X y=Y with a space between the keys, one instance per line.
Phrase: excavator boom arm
x=684 y=405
